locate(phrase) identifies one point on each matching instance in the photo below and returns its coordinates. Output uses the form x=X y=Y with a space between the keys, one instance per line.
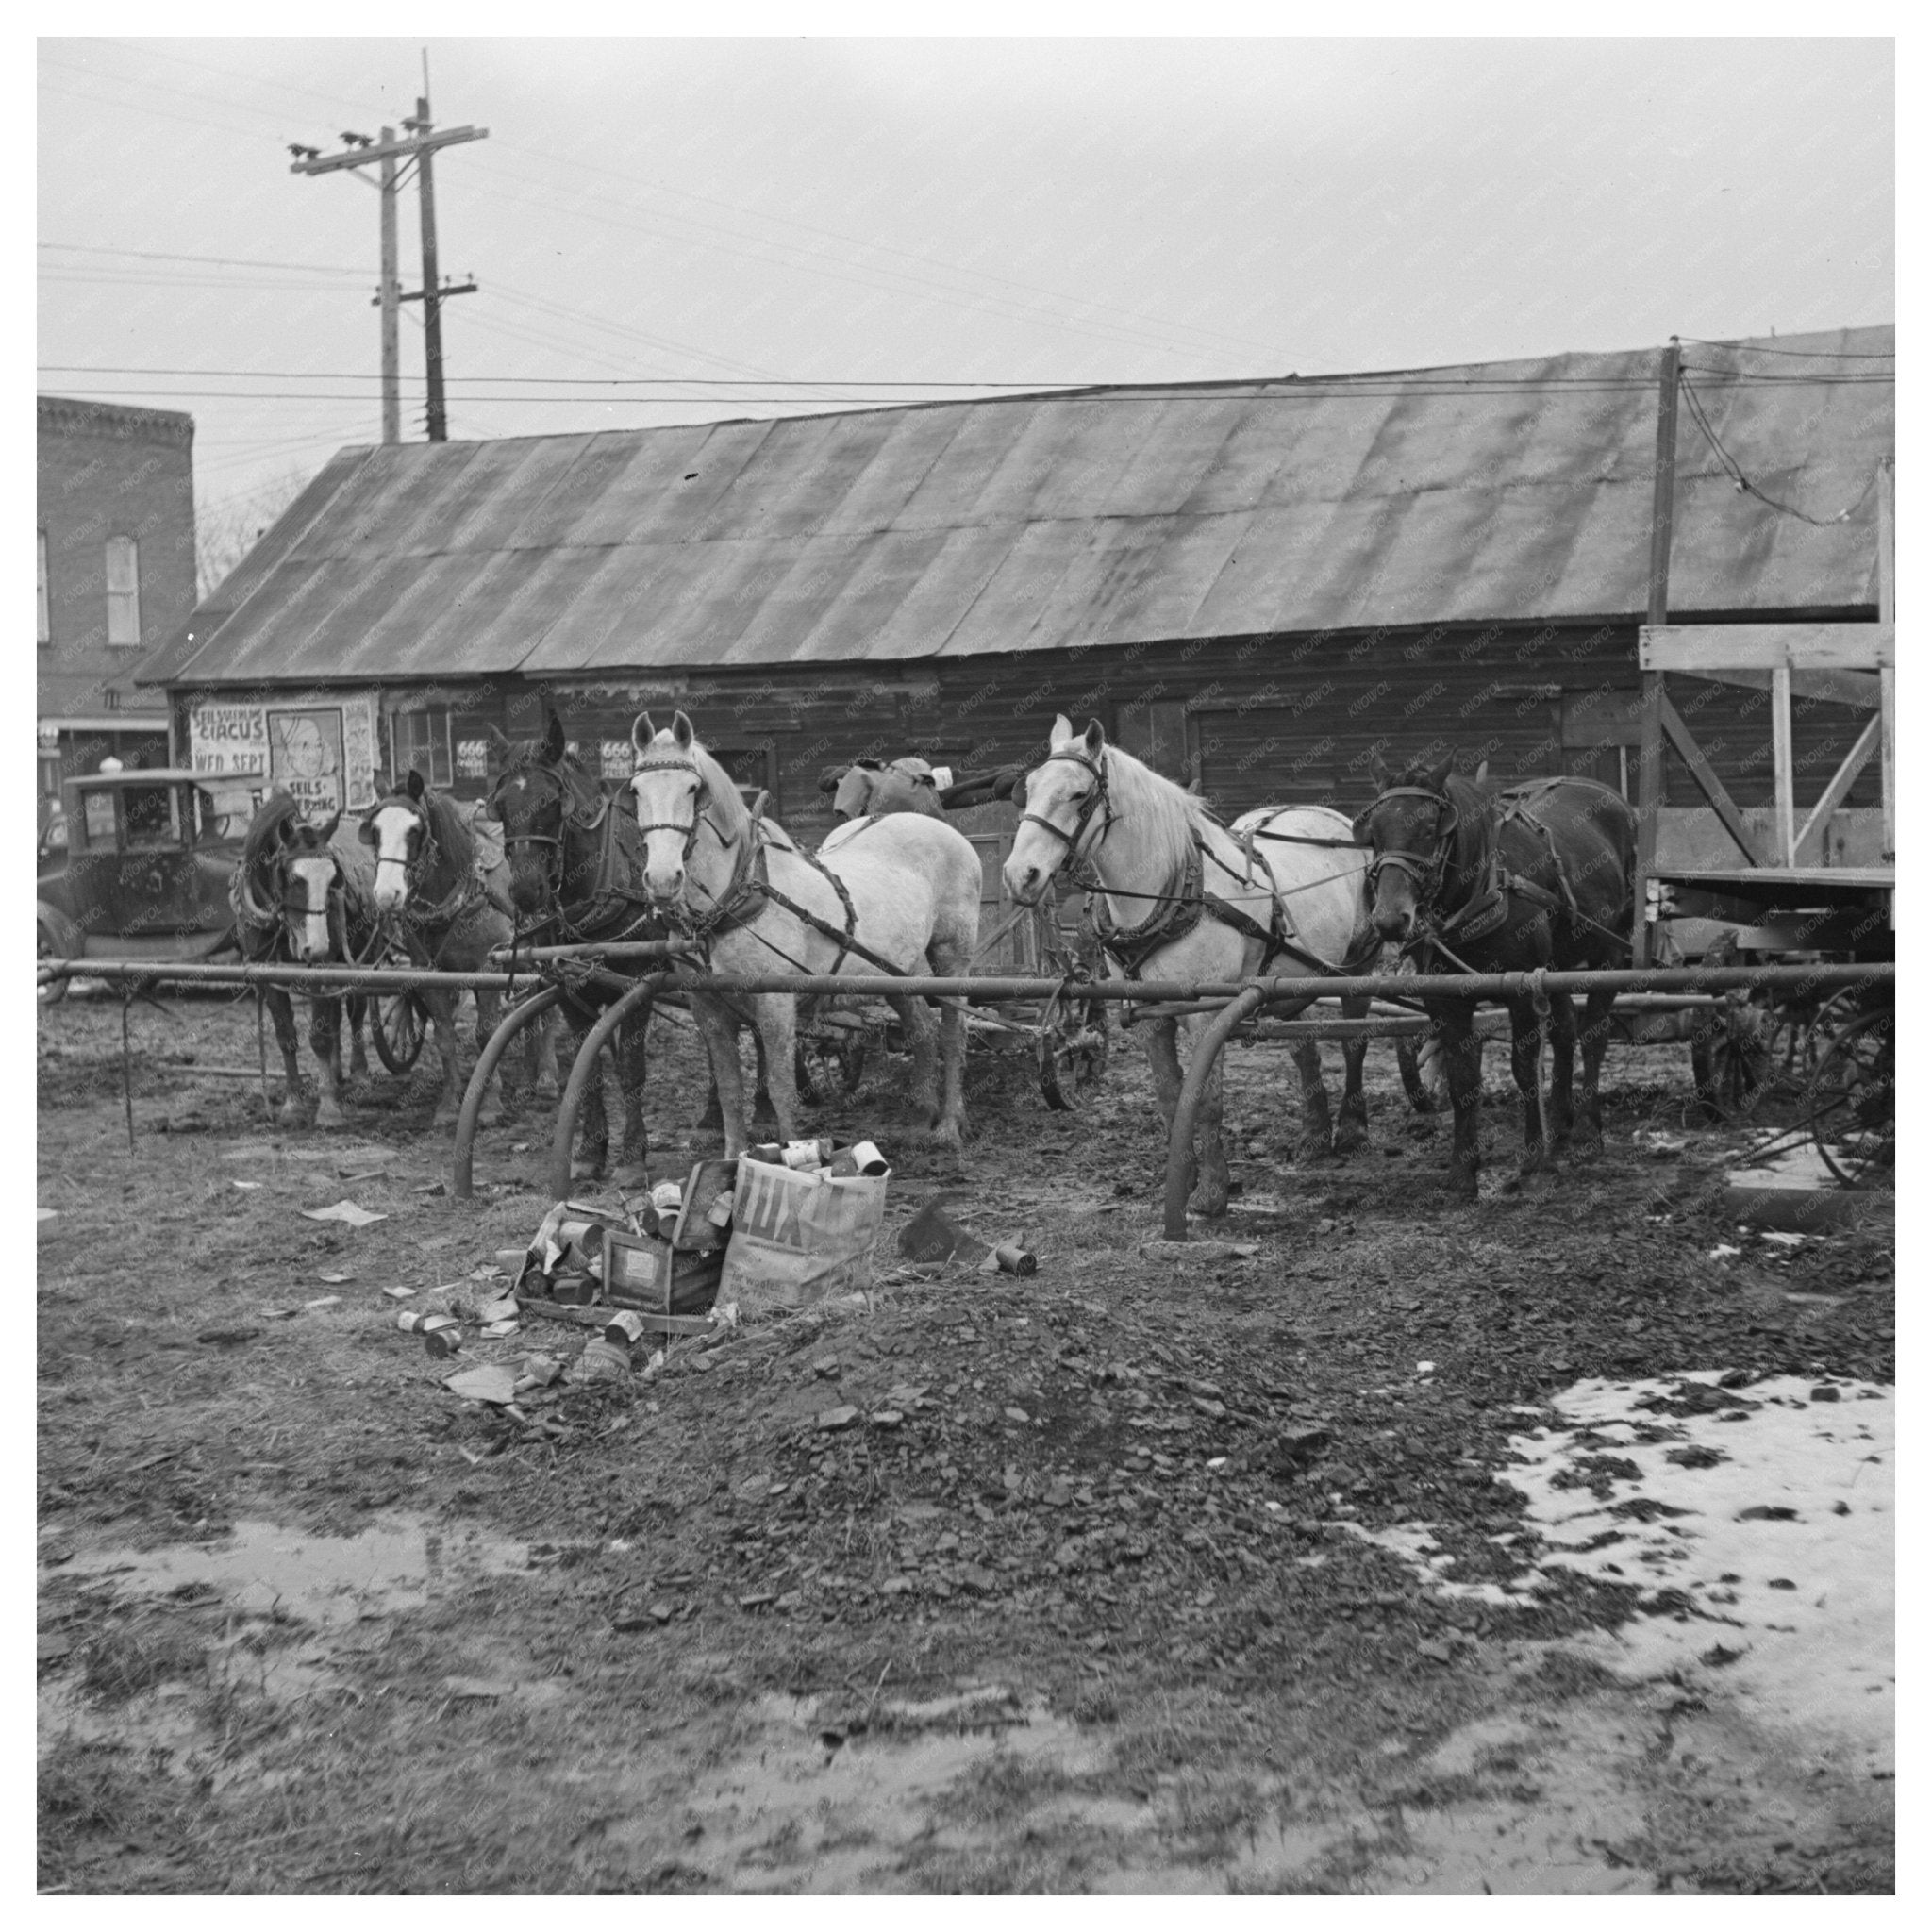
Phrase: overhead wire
x=1742 y=483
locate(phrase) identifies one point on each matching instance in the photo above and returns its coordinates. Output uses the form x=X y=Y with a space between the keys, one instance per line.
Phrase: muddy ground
x=1085 y=1597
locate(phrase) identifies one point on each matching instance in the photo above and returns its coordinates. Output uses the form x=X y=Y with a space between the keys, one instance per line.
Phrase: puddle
x=1775 y=1523
x=329 y=1580
x=792 y=1815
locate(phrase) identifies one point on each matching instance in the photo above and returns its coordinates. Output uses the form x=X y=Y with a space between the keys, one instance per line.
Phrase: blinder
x=1093 y=801
x=1425 y=873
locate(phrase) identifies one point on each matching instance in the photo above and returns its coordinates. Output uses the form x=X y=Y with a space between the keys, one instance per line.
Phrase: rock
x=840 y=1417
x=976 y=1577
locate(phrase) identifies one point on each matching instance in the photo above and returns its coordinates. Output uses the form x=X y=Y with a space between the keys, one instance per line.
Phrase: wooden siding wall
x=1258 y=720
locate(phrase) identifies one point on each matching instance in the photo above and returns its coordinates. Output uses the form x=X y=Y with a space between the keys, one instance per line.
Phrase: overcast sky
x=851 y=213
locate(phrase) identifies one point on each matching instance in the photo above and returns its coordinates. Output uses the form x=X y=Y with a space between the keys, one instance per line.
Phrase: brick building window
x=124 y=591
x=44 y=617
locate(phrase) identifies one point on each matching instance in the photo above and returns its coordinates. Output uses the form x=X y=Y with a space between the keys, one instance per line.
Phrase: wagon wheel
x=1756 y=1048
x=48 y=948
x=399 y=1022
x=1420 y=1060
x=828 y=1063
x=1073 y=1049
x=1850 y=1101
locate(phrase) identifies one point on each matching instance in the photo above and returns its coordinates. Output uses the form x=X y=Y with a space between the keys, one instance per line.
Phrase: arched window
x=124 y=591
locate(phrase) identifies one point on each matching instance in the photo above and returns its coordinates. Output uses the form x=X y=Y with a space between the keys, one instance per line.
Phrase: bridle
x=569 y=820
x=688 y=833
x=1093 y=801
x=1426 y=875
x=413 y=869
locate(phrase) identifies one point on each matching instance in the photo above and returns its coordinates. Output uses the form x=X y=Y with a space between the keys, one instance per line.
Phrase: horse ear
x=1380 y=776
x=641 y=731
x=366 y=831
x=413 y=785
x=1482 y=772
x=326 y=830
x=285 y=832
x=1095 y=739
x=681 y=731
x=554 y=743
x=498 y=739
x=1439 y=776
x=1062 y=730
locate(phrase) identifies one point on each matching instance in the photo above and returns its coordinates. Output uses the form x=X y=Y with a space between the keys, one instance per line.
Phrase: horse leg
x=1352 y=1124
x=1595 y=1041
x=1526 y=1028
x=294 y=1112
x=949 y=955
x=593 y=1122
x=720 y=1026
x=358 y=1055
x=1462 y=1055
x=1213 y=1191
x=950 y=1131
x=1163 y=1064
x=922 y=1035
x=762 y=1112
x=443 y=1018
x=325 y=1043
x=1562 y=1059
x=1316 y=1127
x=633 y=1038
x=778 y=1027
x=546 y=1081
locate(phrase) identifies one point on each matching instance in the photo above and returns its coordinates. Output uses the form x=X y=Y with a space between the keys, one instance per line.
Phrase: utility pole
x=391 y=158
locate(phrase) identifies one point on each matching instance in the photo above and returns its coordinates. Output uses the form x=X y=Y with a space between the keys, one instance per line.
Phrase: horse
x=442 y=892
x=1179 y=895
x=900 y=894
x=576 y=859
x=1535 y=877
x=305 y=895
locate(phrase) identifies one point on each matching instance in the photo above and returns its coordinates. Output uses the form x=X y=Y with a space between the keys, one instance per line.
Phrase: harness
x=744 y=898
x=471 y=892
x=1487 y=908
x=1181 y=907
x=590 y=917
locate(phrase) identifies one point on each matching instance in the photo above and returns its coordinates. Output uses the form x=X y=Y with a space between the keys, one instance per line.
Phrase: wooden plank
x=1650 y=800
x=1650 y=765
x=1692 y=647
x=1784 y=780
x=1827 y=687
x=1842 y=781
x=1709 y=782
x=1888 y=769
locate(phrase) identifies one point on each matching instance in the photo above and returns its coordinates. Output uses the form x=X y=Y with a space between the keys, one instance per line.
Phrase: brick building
x=115 y=577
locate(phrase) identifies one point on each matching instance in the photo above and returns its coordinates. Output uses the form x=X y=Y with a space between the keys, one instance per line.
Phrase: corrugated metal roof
x=1515 y=491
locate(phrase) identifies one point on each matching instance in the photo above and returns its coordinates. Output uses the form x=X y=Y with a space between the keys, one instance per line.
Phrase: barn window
x=421 y=742
x=44 y=618
x=124 y=591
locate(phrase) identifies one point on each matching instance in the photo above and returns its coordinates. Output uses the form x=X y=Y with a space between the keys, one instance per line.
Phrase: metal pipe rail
x=675 y=947
x=351 y=978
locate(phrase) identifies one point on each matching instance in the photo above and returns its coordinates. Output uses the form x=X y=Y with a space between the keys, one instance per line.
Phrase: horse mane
x=533 y=755
x=1169 y=818
x=265 y=832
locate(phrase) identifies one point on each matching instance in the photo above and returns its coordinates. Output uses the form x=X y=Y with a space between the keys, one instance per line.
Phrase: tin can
x=625 y=1332
x=767 y=1151
x=869 y=1160
x=574 y=1289
x=442 y=1334
x=719 y=1215
x=802 y=1155
x=1014 y=1259
x=602 y=1362
x=667 y=1197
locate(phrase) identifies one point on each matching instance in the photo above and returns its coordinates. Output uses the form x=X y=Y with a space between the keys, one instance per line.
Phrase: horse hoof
x=1349 y=1139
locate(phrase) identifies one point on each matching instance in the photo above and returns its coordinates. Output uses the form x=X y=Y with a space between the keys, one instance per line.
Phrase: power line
x=1742 y=483
x=1815 y=355
x=218 y=260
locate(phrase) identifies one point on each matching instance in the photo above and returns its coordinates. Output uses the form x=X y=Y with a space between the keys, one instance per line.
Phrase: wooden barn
x=1256 y=585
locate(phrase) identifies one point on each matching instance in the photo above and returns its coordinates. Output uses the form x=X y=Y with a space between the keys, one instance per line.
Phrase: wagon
x=1069 y=1037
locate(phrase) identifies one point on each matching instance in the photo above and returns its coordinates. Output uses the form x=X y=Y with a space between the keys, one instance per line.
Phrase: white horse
x=897 y=895
x=1184 y=897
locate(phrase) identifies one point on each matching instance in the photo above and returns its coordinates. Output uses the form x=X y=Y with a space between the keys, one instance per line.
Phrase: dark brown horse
x=574 y=863
x=438 y=892
x=303 y=895
x=1535 y=877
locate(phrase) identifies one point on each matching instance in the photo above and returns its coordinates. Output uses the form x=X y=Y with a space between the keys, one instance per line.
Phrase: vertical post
x=1888 y=752
x=1784 y=799
x=1650 y=758
x=390 y=301
x=432 y=309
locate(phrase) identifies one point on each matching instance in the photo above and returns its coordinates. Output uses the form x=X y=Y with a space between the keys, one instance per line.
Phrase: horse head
x=1408 y=828
x=533 y=801
x=310 y=881
x=676 y=783
x=397 y=827
x=1067 y=813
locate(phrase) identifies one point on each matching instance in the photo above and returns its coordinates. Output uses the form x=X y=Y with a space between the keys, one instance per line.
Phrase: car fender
x=64 y=938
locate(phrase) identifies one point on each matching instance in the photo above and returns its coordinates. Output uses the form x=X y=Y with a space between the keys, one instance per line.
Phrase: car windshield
x=151 y=815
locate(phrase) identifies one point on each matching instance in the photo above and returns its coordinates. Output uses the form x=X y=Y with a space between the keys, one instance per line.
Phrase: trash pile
x=780 y=1226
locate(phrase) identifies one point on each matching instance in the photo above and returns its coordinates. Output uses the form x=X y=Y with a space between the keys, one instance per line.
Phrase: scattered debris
x=345 y=1211
x=492 y=1383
